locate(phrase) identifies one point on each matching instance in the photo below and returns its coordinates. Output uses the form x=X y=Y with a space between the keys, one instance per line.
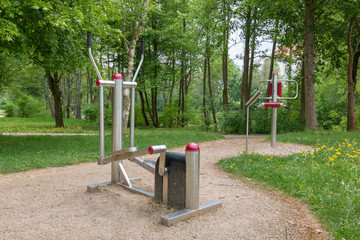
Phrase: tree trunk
x=225 y=67
x=69 y=98
x=204 y=93
x=210 y=93
x=54 y=82
x=63 y=95
x=131 y=55
x=50 y=102
x=90 y=83
x=173 y=78
x=245 y=96
x=309 y=65
x=143 y=108
x=154 y=93
x=149 y=109
x=351 y=118
x=78 y=100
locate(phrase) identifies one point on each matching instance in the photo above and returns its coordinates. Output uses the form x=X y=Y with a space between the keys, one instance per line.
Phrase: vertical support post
x=132 y=118
x=192 y=158
x=101 y=124
x=274 y=110
x=247 y=128
x=117 y=125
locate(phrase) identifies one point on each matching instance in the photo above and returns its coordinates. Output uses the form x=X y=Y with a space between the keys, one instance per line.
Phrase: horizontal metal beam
x=125 y=154
x=111 y=83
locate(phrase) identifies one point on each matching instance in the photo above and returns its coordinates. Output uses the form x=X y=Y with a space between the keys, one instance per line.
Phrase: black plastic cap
x=89 y=39
x=142 y=47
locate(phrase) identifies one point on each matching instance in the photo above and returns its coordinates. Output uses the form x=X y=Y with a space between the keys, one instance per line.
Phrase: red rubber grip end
x=192 y=147
x=117 y=76
x=98 y=83
x=150 y=150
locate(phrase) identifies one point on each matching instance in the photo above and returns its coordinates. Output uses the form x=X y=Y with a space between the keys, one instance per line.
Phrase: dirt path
x=53 y=204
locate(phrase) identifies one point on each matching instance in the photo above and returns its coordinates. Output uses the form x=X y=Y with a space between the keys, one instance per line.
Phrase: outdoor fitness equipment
x=176 y=175
x=275 y=93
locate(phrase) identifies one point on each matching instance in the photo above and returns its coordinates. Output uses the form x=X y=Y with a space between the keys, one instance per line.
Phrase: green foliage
x=169 y=117
x=11 y=109
x=26 y=106
x=326 y=179
x=234 y=121
x=91 y=112
x=30 y=107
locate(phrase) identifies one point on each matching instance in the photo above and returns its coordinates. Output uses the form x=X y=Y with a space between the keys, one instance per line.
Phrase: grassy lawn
x=20 y=153
x=328 y=180
x=45 y=125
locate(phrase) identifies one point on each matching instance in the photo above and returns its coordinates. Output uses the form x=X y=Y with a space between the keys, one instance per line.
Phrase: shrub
x=91 y=112
x=11 y=109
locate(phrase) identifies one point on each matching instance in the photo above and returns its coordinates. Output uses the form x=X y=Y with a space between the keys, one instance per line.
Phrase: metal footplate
x=175 y=217
x=138 y=190
x=92 y=188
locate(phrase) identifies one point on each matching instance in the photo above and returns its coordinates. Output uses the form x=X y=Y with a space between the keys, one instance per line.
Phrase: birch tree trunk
x=130 y=49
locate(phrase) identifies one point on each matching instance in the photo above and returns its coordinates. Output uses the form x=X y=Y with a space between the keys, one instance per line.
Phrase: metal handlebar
x=281 y=81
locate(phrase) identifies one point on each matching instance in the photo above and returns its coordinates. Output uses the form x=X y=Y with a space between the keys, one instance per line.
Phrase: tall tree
x=51 y=33
x=309 y=64
x=133 y=21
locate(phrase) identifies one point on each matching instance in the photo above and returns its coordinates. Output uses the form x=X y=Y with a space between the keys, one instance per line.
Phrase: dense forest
x=187 y=77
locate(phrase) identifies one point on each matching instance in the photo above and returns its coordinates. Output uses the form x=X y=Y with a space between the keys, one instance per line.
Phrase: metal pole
x=117 y=125
x=101 y=123
x=274 y=110
x=247 y=129
x=192 y=158
x=132 y=118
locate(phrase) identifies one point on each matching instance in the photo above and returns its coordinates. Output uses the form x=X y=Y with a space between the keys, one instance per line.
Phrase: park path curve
x=53 y=203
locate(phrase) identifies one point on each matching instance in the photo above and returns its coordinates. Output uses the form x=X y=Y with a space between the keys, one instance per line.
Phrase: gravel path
x=53 y=203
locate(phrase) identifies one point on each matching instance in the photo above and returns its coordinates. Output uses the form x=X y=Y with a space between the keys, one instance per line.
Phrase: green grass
x=328 y=180
x=45 y=125
x=20 y=153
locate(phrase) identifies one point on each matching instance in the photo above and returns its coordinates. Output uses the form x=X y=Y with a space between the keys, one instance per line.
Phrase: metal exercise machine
x=275 y=94
x=176 y=175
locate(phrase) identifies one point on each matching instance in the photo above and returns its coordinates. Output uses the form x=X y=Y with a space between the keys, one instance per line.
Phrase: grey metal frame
x=274 y=99
x=118 y=173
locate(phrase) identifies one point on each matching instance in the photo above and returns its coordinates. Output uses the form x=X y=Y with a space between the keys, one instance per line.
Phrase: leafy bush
x=232 y=121
x=169 y=116
x=91 y=112
x=11 y=109
x=108 y=117
x=27 y=107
